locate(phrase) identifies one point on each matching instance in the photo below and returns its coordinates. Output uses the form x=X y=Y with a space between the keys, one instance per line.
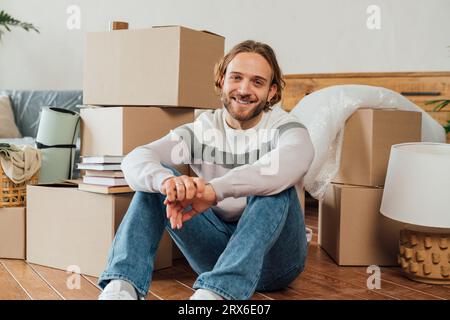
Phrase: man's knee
x=141 y=198
x=285 y=196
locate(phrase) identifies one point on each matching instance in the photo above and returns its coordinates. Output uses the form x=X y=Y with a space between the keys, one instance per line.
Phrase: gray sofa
x=27 y=106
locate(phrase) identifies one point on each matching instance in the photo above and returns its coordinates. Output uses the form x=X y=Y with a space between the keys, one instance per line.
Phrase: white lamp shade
x=417 y=187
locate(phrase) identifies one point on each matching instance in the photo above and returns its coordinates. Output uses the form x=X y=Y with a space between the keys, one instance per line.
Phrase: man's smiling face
x=246 y=86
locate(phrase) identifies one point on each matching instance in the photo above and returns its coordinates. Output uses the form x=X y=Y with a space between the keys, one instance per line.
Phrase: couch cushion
x=27 y=105
x=8 y=128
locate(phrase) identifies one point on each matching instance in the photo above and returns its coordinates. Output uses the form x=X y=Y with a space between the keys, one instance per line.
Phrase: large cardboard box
x=160 y=66
x=12 y=233
x=353 y=231
x=67 y=227
x=118 y=130
x=368 y=137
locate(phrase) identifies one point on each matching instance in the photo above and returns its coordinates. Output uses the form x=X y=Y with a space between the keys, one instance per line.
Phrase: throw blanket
x=19 y=163
x=324 y=113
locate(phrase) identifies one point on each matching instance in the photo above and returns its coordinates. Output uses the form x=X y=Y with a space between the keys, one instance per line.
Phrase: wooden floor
x=322 y=279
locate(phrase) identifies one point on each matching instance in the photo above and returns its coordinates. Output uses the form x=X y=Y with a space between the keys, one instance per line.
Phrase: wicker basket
x=14 y=194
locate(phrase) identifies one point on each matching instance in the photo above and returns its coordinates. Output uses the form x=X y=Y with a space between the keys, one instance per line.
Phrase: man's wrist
x=213 y=191
x=161 y=186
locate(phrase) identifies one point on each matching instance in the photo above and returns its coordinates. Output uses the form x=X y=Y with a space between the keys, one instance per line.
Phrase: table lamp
x=417 y=193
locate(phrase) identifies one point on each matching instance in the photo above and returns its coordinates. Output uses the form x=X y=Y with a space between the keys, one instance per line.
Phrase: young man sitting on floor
x=239 y=223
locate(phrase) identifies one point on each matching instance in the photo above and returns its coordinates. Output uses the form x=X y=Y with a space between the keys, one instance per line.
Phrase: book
x=101 y=159
x=98 y=166
x=105 y=181
x=106 y=173
x=104 y=189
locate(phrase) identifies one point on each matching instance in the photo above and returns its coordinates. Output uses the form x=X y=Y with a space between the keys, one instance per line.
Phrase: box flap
x=205 y=31
x=168 y=26
x=362 y=107
x=55 y=185
x=214 y=34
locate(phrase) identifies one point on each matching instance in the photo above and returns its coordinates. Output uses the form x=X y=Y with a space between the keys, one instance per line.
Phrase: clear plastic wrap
x=324 y=113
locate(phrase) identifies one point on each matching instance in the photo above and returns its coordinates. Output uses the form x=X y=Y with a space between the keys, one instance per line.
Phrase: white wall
x=308 y=36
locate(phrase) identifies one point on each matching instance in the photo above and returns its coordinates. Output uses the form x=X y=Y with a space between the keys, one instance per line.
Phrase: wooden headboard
x=418 y=87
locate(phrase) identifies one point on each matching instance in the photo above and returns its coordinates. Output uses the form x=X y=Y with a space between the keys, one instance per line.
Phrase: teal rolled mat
x=56 y=137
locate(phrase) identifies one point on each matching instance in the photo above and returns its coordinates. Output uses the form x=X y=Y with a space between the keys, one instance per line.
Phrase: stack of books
x=103 y=174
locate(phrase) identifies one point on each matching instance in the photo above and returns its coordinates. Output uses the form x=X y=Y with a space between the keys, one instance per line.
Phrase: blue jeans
x=264 y=250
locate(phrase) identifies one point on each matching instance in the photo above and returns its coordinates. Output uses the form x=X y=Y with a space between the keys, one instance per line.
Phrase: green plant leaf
x=6 y=21
x=442 y=103
x=433 y=101
x=447 y=127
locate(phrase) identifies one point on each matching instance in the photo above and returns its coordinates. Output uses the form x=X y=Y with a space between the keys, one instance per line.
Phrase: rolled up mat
x=56 y=137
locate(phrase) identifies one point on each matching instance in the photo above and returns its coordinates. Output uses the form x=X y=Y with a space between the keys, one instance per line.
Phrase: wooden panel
x=30 y=281
x=417 y=87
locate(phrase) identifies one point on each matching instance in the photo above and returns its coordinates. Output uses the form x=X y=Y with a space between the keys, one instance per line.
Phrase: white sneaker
x=119 y=290
x=204 y=294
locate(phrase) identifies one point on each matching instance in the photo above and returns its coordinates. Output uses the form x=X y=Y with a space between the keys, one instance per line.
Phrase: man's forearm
x=142 y=167
x=274 y=172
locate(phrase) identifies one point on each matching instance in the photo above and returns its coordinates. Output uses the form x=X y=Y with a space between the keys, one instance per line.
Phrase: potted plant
x=444 y=115
x=6 y=22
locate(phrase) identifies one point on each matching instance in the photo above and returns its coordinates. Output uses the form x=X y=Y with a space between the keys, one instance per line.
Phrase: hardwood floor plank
x=94 y=281
x=394 y=275
x=287 y=294
x=322 y=279
x=313 y=289
x=152 y=296
x=188 y=278
x=58 y=280
x=9 y=287
x=260 y=296
x=36 y=287
x=166 y=286
x=346 y=286
x=322 y=262
x=347 y=275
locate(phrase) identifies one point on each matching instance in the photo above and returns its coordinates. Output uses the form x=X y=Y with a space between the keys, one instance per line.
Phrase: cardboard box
x=368 y=137
x=159 y=66
x=12 y=233
x=353 y=231
x=67 y=227
x=118 y=130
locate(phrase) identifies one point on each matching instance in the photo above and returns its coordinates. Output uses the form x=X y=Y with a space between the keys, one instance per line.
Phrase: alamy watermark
x=373 y=21
x=73 y=281
x=74 y=19
x=374 y=280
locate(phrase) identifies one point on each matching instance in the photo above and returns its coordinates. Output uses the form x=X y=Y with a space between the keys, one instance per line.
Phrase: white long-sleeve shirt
x=264 y=160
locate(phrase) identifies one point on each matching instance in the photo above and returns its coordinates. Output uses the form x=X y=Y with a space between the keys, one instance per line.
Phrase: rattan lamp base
x=425 y=257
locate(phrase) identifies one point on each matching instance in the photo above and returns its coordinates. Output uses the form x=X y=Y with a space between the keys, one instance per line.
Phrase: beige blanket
x=19 y=163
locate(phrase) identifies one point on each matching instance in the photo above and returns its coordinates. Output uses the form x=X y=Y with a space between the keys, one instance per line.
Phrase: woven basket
x=14 y=194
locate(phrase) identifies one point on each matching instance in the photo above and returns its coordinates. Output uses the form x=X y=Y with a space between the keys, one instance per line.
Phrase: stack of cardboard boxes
x=137 y=86
x=351 y=228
